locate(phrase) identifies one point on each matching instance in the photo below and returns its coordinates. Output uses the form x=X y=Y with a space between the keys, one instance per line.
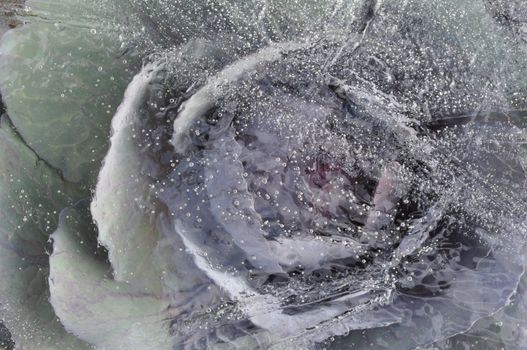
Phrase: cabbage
x=278 y=174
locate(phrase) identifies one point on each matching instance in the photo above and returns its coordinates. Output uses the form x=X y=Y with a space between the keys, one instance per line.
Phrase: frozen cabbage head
x=263 y=174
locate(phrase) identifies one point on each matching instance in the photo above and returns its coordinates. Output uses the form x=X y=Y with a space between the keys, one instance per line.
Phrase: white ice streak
x=122 y=193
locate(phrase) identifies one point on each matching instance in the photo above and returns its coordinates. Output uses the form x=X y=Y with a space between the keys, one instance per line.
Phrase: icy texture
x=280 y=174
x=315 y=196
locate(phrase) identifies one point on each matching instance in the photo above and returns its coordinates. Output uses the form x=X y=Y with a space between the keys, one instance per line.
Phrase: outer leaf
x=126 y=226
x=31 y=194
x=61 y=78
x=108 y=314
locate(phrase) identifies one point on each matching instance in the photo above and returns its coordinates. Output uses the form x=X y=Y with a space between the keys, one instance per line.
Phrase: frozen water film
x=264 y=174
